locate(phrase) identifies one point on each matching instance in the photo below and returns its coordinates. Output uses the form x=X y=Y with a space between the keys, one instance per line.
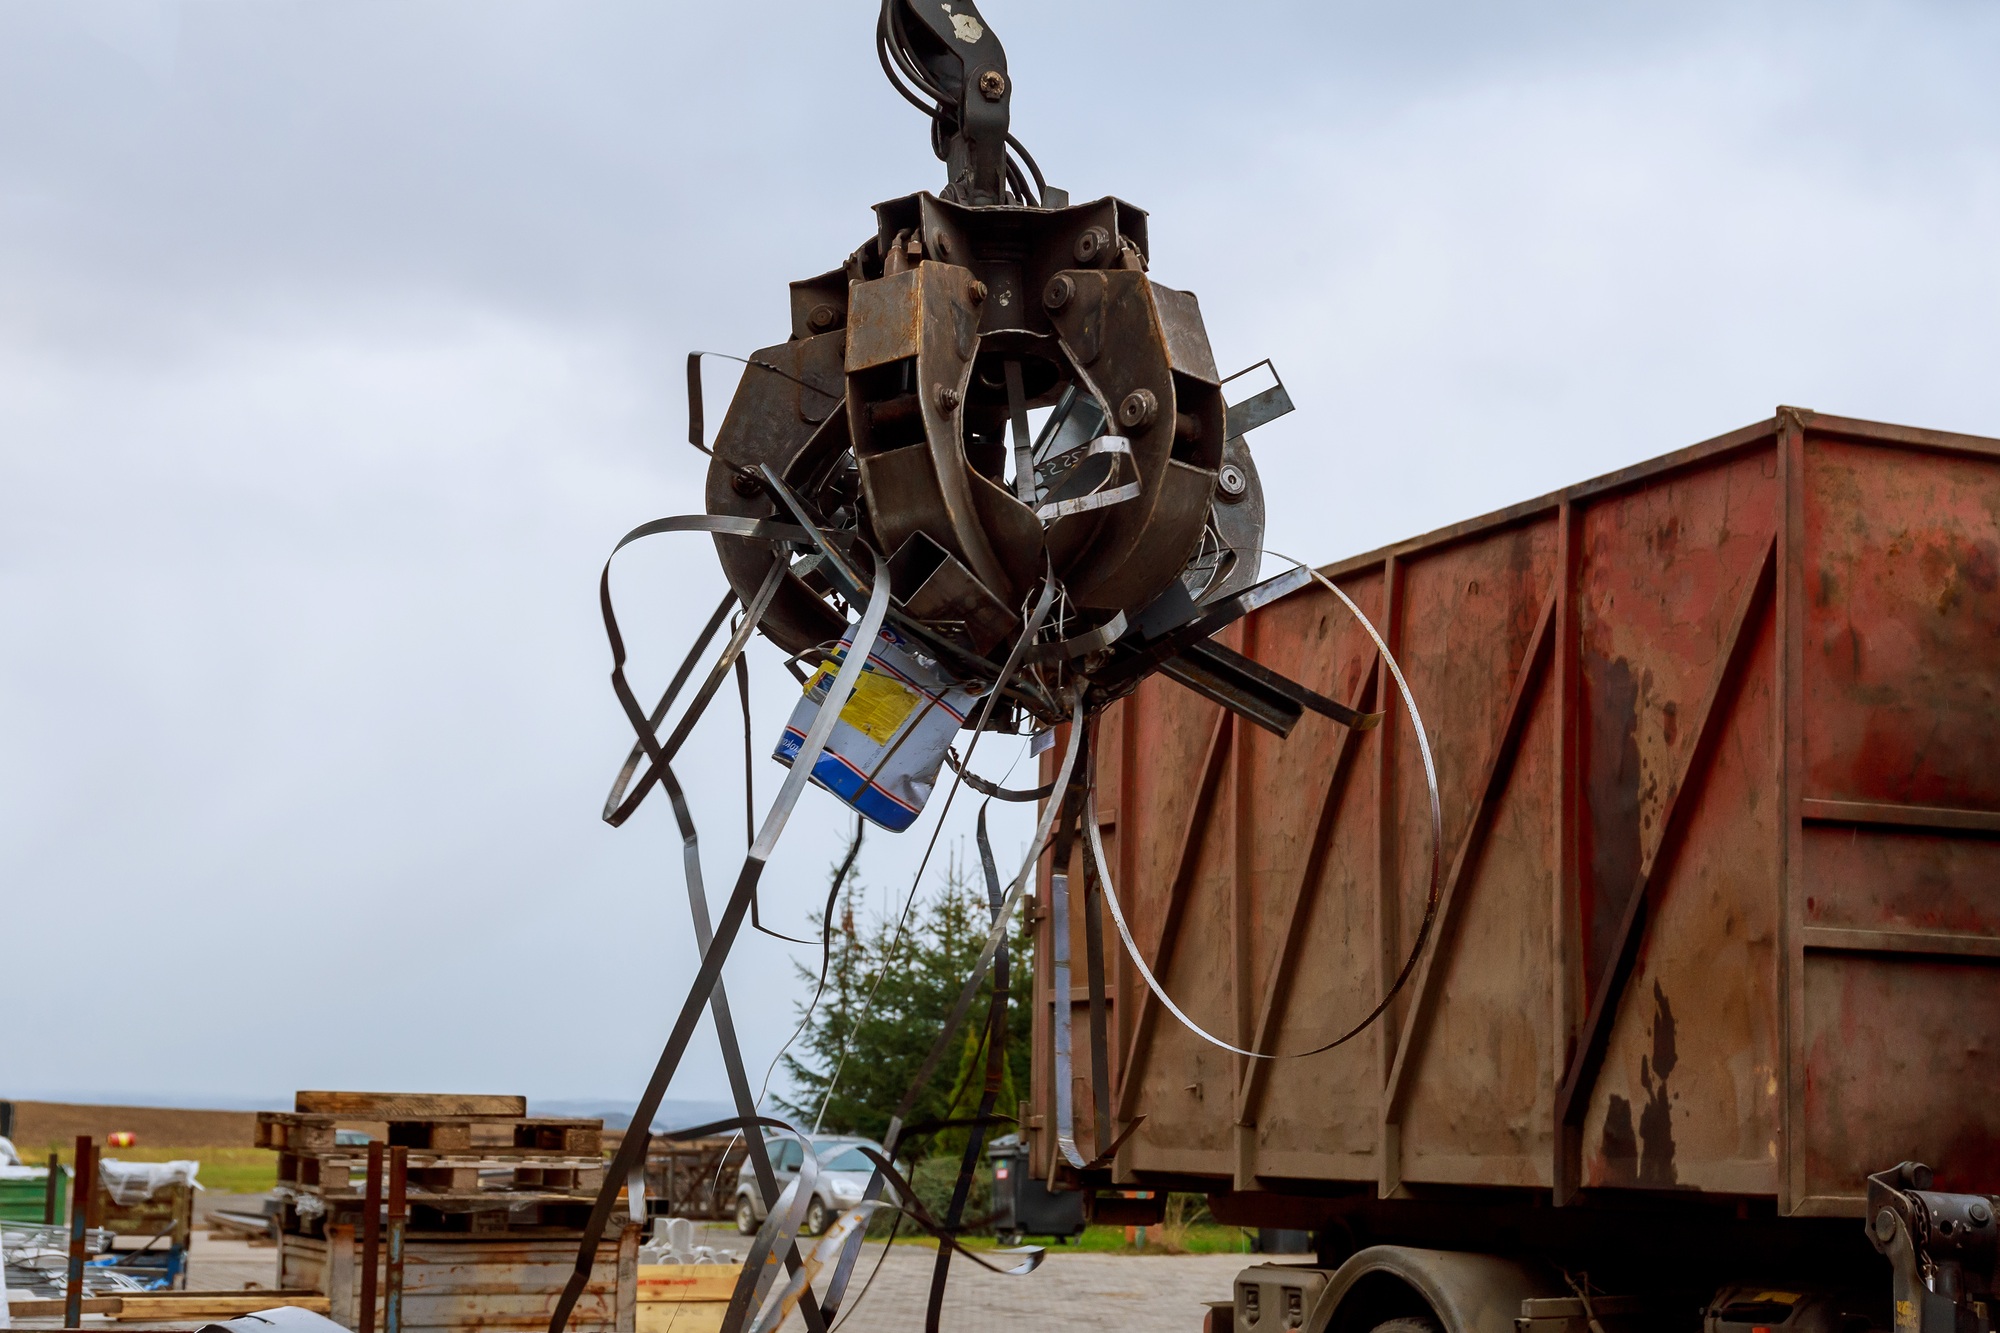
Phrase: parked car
x=843 y=1174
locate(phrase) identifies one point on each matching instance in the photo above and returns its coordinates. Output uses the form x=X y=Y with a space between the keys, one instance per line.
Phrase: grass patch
x=226 y=1170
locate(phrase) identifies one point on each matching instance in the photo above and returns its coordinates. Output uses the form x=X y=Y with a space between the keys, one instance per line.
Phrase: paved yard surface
x=1071 y=1291
x=1134 y=1294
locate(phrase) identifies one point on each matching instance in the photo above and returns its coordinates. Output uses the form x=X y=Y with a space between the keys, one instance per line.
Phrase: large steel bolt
x=1092 y=243
x=746 y=483
x=947 y=398
x=1885 y=1226
x=977 y=291
x=1138 y=409
x=992 y=85
x=823 y=317
x=1232 y=482
x=1059 y=291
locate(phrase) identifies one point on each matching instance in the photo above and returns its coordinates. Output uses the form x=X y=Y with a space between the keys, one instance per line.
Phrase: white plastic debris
x=135 y=1182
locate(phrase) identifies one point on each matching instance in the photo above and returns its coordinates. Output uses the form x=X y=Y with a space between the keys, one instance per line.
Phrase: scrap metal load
x=895 y=422
x=889 y=510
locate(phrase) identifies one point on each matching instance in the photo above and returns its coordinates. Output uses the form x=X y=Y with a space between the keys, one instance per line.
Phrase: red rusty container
x=1719 y=750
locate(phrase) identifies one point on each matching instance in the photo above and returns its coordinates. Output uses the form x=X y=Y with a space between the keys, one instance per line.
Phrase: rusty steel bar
x=79 y=1221
x=52 y=1195
x=399 y=1178
x=371 y=1235
x=1565 y=923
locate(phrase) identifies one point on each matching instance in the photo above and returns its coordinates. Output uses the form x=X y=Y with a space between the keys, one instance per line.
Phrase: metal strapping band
x=967 y=993
x=738 y=907
x=1431 y=902
x=994 y=790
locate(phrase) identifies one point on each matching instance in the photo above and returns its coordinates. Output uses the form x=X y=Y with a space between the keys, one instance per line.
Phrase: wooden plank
x=687 y=1282
x=409 y=1105
x=698 y=1317
x=1493 y=783
x=1874 y=813
x=37 y=1308
x=204 y=1305
x=1937 y=943
x=1573 y=1096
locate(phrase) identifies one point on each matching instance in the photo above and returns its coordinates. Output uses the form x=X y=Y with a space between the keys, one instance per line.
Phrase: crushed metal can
x=890 y=740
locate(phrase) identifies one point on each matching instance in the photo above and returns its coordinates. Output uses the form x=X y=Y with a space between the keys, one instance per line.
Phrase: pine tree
x=920 y=977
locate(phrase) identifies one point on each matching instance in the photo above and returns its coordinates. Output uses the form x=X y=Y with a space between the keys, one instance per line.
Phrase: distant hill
x=674 y=1114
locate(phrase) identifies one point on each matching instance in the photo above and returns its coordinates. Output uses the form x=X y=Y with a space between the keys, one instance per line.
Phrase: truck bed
x=1718 y=747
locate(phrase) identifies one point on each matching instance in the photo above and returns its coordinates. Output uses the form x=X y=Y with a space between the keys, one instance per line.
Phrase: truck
x=1698 y=1025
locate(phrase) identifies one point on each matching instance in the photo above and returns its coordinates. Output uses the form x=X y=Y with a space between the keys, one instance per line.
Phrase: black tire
x=818 y=1216
x=1409 y=1324
x=1011 y=1238
x=746 y=1216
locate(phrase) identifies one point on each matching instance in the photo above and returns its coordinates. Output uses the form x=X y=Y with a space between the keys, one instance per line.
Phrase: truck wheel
x=1409 y=1324
x=746 y=1216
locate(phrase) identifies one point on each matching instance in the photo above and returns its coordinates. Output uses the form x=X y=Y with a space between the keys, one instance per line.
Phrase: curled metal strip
x=969 y=991
x=1064 y=1021
x=738 y=907
x=1097 y=499
x=1431 y=901
x=775 y=1237
x=618 y=811
x=914 y=1206
x=1090 y=641
x=994 y=790
x=837 y=1286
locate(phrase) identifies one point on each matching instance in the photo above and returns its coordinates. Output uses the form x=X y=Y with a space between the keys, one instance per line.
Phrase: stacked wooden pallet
x=495 y=1198
x=477 y=1164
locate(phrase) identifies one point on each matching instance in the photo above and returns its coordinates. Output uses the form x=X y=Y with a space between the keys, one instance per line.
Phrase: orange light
x=122 y=1139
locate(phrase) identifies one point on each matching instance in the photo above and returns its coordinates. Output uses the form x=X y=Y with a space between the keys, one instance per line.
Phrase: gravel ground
x=1132 y=1294
x=230 y=1265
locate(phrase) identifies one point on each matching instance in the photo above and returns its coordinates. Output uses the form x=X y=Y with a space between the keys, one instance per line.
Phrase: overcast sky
x=339 y=342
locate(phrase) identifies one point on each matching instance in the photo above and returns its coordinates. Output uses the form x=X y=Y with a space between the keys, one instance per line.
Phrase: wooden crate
x=685 y=1298
x=452 y=1282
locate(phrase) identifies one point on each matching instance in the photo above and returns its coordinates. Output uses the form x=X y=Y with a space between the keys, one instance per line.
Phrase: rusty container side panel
x=1718 y=755
x=1899 y=658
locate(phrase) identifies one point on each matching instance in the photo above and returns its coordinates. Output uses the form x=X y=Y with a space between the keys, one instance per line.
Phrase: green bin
x=22 y=1200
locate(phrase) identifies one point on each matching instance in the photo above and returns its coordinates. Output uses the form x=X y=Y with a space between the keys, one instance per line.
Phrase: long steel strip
x=725 y=1026
x=996 y=1060
x=753 y=863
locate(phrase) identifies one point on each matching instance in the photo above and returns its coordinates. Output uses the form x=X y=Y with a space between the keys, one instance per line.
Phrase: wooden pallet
x=477 y=1164
x=313 y=1132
